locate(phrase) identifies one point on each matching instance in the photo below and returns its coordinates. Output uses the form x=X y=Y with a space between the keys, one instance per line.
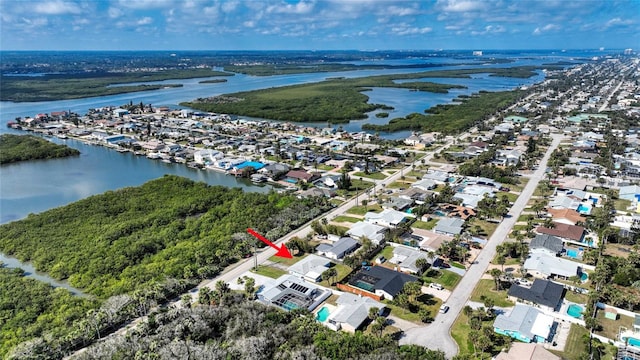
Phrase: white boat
x=153 y=156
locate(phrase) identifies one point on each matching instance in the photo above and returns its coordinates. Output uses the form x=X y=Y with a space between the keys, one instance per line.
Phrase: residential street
x=437 y=334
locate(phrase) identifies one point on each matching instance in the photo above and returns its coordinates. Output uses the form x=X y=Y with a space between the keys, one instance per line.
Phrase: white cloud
x=229 y=6
x=299 y=8
x=56 y=8
x=249 y=23
x=115 y=12
x=144 y=21
x=404 y=29
x=490 y=29
x=546 y=28
x=460 y=5
x=145 y=4
x=401 y=11
x=617 y=22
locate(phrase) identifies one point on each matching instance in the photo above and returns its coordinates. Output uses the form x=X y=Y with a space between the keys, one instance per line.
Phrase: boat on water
x=153 y=156
x=62 y=136
x=258 y=178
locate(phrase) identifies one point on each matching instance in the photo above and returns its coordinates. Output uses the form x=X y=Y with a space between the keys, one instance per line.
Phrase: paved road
x=437 y=334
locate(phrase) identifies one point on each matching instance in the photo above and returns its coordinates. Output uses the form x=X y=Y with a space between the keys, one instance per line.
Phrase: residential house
x=352 y=312
x=274 y=171
x=405 y=257
x=567 y=233
x=380 y=281
x=339 y=249
x=526 y=351
x=439 y=177
x=425 y=184
x=397 y=203
x=547 y=243
x=542 y=293
x=457 y=211
x=388 y=218
x=310 y=268
x=412 y=140
x=449 y=226
x=566 y=216
x=431 y=241
x=293 y=176
x=373 y=232
x=508 y=157
x=289 y=292
x=328 y=181
x=543 y=265
x=525 y=323
x=630 y=192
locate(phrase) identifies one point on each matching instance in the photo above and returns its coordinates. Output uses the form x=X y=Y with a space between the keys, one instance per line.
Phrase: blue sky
x=318 y=24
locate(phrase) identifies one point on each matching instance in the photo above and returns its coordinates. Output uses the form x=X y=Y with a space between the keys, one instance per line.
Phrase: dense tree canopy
x=29 y=307
x=14 y=148
x=171 y=227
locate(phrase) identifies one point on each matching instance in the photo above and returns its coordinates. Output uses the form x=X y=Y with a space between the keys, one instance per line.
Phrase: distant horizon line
x=320 y=50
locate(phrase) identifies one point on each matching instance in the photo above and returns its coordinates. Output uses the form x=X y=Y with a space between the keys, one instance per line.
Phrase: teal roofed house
x=525 y=323
x=582 y=117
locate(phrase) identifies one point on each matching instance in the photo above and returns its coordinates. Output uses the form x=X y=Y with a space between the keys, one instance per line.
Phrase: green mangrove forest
x=88 y=84
x=452 y=118
x=15 y=148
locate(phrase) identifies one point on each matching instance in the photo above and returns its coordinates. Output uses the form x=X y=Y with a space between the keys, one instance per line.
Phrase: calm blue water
x=36 y=186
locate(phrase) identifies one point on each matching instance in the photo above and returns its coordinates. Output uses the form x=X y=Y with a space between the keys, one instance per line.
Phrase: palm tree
x=496 y=273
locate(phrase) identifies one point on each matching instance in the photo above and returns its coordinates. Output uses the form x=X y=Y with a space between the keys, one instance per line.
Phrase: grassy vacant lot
x=399 y=185
x=269 y=271
x=621 y=204
x=287 y=262
x=376 y=176
x=486 y=288
x=425 y=225
x=433 y=306
x=487 y=227
x=343 y=272
x=576 y=298
x=446 y=278
x=344 y=218
x=387 y=252
x=361 y=210
x=75 y=86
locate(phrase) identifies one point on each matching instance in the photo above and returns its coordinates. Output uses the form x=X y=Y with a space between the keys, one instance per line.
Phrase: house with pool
x=290 y=292
x=631 y=340
x=349 y=313
x=378 y=282
x=543 y=265
x=527 y=324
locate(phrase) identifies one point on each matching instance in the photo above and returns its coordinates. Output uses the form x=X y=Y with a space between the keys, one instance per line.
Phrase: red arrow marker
x=282 y=250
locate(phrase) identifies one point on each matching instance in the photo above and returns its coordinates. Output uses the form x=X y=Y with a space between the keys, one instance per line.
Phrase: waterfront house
x=293 y=176
x=542 y=293
x=525 y=323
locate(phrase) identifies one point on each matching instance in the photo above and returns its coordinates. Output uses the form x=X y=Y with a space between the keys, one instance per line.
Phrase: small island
x=212 y=81
x=14 y=148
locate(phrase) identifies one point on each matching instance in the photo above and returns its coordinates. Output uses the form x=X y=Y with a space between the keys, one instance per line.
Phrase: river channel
x=36 y=186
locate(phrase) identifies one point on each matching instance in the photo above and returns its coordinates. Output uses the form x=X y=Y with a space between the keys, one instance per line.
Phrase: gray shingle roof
x=542 y=292
x=546 y=241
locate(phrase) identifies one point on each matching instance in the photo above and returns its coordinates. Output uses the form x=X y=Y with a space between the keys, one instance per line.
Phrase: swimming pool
x=634 y=342
x=574 y=311
x=323 y=314
x=584 y=209
x=574 y=254
x=584 y=277
x=254 y=164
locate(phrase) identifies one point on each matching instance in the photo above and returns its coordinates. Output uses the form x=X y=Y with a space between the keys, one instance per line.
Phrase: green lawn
x=621 y=204
x=376 y=175
x=487 y=227
x=269 y=271
x=460 y=333
x=510 y=196
x=509 y=261
x=285 y=261
x=486 y=288
x=336 y=202
x=399 y=185
x=361 y=210
x=575 y=344
x=446 y=278
x=610 y=327
x=344 y=218
x=387 y=252
x=425 y=225
x=325 y=167
x=413 y=317
x=415 y=174
x=576 y=298
x=343 y=272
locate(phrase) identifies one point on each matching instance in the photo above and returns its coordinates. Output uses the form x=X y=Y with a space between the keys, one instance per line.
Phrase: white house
x=310 y=268
x=388 y=217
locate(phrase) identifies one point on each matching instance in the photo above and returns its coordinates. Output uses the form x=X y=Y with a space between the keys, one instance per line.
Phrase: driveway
x=437 y=334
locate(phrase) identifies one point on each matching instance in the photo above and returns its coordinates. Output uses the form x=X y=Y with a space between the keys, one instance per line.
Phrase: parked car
x=444 y=308
x=436 y=286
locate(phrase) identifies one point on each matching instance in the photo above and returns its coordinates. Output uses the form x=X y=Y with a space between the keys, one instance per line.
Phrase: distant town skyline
x=318 y=24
